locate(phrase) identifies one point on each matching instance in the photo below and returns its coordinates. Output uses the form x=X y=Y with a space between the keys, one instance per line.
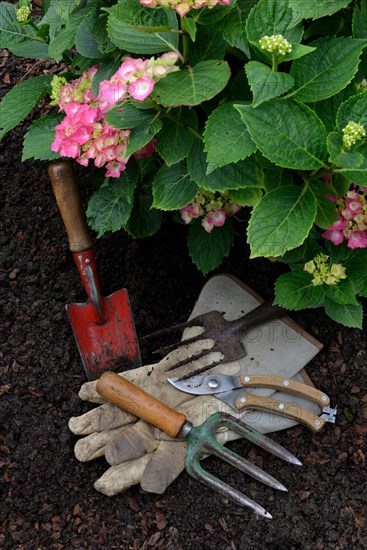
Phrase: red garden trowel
x=103 y=327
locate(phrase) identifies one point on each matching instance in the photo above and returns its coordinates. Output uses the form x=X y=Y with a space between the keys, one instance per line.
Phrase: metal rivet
x=286 y=383
x=247 y=379
x=324 y=397
x=87 y=261
x=317 y=422
x=243 y=399
x=281 y=406
x=213 y=384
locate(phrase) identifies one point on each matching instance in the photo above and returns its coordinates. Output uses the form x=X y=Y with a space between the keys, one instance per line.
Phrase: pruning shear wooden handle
x=230 y=389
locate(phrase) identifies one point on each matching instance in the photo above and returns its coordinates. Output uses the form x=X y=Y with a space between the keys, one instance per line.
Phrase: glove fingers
x=136 y=441
x=164 y=467
x=105 y=417
x=119 y=478
x=93 y=446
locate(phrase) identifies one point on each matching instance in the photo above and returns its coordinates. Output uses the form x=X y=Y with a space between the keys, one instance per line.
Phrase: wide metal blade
x=207 y=384
x=108 y=345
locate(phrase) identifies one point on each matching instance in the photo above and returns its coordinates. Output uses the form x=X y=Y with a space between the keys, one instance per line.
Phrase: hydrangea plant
x=244 y=116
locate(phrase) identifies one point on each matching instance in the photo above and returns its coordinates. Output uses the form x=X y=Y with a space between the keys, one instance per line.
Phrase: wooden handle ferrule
x=65 y=188
x=127 y=396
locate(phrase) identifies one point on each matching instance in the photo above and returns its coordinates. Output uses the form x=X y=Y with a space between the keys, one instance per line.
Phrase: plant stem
x=185 y=44
x=275 y=63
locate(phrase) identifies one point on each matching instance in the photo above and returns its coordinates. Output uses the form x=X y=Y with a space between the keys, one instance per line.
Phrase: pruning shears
x=231 y=390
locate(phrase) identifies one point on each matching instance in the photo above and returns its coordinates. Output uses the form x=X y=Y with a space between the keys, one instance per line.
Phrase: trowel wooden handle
x=65 y=188
x=127 y=396
x=287 y=385
x=289 y=410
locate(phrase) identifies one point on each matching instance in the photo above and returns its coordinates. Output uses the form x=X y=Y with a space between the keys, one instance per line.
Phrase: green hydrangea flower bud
x=352 y=132
x=57 y=83
x=23 y=14
x=324 y=272
x=275 y=44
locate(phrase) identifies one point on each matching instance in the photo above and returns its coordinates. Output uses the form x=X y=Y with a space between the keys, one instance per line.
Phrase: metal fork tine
x=227 y=491
x=176 y=345
x=168 y=330
x=194 y=358
x=258 y=438
x=244 y=465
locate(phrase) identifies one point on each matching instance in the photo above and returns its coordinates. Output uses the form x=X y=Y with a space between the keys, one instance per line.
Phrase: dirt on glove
x=47 y=496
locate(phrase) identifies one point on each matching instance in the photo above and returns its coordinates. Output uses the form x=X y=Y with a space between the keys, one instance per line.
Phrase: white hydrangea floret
x=352 y=132
x=23 y=14
x=275 y=44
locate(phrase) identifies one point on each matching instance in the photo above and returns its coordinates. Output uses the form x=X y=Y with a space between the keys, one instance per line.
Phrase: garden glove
x=139 y=452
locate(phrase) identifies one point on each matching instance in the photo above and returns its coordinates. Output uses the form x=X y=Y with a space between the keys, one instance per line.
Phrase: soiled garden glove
x=128 y=442
x=139 y=452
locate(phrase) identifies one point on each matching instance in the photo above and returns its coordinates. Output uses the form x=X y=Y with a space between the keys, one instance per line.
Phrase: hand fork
x=201 y=440
x=226 y=335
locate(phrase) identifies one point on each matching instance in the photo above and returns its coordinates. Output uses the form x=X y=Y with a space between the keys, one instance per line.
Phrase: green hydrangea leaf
x=348 y=315
x=359 y=22
x=110 y=207
x=30 y=48
x=144 y=220
x=233 y=25
x=287 y=133
x=314 y=9
x=189 y=26
x=12 y=34
x=192 y=86
x=328 y=69
x=64 y=39
x=39 y=137
x=209 y=44
x=356 y=175
x=266 y=84
x=239 y=175
x=281 y=221
x=174 y=141
x=296 y=291
x=137 y=29
x=339 y=156
x=249 y=196
x=326 y=213
x=173 y=188
x=85 y=42
x=226 y=138
x=270 y=17
x=207 y=250
x=355 y=109
x=141 y=135
x=129 y=115
x=342 y=293
x=355 y=263
x=21 y=99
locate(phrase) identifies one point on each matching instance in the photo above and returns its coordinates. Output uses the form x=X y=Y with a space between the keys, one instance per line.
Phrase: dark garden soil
x=47 y=496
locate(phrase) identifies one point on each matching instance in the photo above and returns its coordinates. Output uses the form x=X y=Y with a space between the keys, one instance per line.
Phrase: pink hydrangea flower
x=231 y=208
x=111 y=91
x=352 y=223
x=183 y=6
x=336 y=237
x=192 y=210
x=141 y=88
x=216 y=217
x=147 y=151
x=84 y=134
x=357 y=239
x=207 y=226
